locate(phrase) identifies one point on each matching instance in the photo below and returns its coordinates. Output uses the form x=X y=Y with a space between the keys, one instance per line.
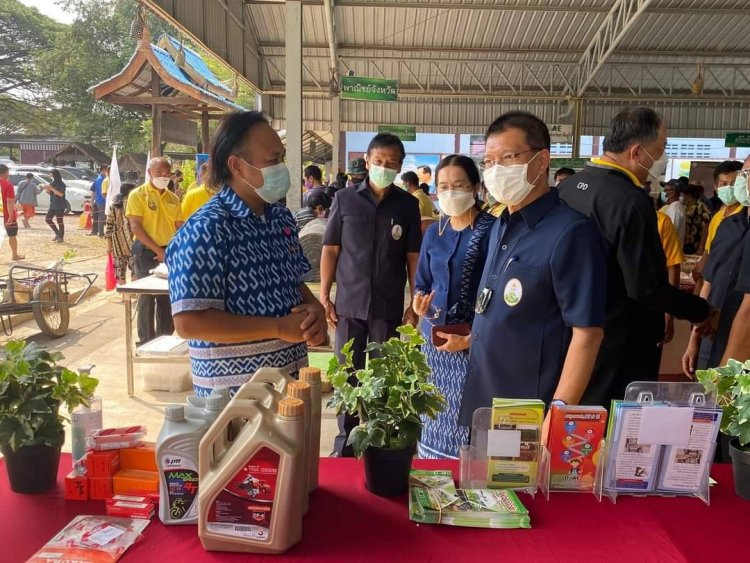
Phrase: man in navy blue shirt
x=98 y=203
x=542 y=298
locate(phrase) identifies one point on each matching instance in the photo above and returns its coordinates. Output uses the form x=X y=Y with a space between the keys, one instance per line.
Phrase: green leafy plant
x=33 y=387
x=389 y=396
x=731 y=385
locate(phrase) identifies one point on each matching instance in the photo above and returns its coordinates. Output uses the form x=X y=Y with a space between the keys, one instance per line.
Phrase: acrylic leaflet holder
x=660 y=441
x=500 y=456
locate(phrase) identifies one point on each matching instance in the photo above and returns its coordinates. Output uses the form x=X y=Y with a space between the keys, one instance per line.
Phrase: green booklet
x=434 y=499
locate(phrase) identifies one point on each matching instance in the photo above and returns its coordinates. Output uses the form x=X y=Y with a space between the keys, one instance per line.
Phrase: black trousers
x=58 y=214
x=150 y=307
x=609 y=380
x=363 y=332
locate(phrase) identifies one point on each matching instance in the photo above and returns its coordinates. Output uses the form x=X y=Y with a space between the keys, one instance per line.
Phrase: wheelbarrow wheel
x=51 y=310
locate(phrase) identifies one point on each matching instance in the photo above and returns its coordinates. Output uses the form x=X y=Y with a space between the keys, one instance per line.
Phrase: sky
x=51 y=9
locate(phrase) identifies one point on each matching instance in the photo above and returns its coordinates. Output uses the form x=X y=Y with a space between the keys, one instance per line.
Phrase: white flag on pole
x=148 y=161
x=114 y=181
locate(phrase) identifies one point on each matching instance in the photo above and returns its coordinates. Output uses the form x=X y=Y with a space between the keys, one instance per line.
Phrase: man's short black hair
x=313 y=172
x=29 y=175
x=387 y=140
x=410 y=178
x=4 y=169
x=318 y=198
x=727 y=167
x=537 y=133
x=631 y=126
x=425 y=169
x=567 y=171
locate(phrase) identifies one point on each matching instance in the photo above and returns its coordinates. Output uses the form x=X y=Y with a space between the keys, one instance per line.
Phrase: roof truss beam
x=619 y=21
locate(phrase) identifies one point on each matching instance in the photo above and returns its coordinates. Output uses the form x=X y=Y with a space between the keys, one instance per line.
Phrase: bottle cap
x=291 y=408
x=220 y=392
x=298 y=390
x=175 y=413
x=215 y=402
x=311 y=375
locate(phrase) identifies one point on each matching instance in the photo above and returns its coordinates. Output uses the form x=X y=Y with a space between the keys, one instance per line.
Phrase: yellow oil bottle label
x=242 y=509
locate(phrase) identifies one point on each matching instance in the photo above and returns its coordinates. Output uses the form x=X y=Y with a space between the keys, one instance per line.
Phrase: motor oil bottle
x=212 y=407
x=177 y=460
x=273 y=376
x=250 y=497
x=262 y=392
x=200 y=402
x=311 y=376
x=301 y=390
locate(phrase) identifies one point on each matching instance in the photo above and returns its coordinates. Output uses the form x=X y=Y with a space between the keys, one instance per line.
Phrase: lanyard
x=493 y=263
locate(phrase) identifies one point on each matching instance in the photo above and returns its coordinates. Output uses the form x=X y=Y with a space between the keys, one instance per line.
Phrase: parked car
x=80 y=173
x=7 y=161
x=70 y=179
x=76 y=196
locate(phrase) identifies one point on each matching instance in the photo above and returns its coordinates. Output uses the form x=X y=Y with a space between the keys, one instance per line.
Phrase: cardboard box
x=128 y=480
x=76 y=487
x=103 y=464
x=125 y=509
x=143 y=458
x=100 y=488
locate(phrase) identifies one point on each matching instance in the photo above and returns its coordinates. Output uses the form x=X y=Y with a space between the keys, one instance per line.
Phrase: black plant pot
x=387 y=471
x=32 y=469
x=722 y=449
x=740 y=468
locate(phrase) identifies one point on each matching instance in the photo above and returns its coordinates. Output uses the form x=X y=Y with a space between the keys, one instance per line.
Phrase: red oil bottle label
x=243 y=508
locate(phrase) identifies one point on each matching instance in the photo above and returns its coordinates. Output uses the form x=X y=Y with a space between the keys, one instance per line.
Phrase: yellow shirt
x=669 y=240
x=426 y=208
x=625 y=171
x=105 y=186
x=721 y=214
x=159 y=210
x=194 y=200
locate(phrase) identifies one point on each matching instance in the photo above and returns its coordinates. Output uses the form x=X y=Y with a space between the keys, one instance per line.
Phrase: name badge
x=513 y=292
x=397 y=232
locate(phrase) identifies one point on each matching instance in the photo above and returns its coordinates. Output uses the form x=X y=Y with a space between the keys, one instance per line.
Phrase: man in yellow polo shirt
x=155 y=215
x=670 y=242
x=195 y=199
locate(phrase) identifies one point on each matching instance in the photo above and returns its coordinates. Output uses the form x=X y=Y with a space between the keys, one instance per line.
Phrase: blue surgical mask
x=381 y=177
x=276 y=182
x=740 y=191
x=663 y=197
x=726 y=195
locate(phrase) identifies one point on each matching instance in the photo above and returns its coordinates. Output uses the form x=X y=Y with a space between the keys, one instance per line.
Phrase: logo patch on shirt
x=513 y=292
x=396 y=232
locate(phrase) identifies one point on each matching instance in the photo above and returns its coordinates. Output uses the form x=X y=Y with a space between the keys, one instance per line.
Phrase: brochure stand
x=475 y=460
x=544 y=473
x=660 y=442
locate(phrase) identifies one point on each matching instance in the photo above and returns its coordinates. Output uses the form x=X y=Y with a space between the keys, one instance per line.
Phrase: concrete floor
x=97 y=336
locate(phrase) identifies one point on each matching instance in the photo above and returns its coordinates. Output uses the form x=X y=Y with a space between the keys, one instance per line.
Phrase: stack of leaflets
x=662 y=447
x=434 y=499
x=513 y=443
x=575 y=435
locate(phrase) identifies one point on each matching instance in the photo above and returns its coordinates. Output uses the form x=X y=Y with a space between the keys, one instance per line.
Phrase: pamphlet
x=575 y=436
x=635 y=463
x=684 y=467
x=513 y=443
x=476 y=508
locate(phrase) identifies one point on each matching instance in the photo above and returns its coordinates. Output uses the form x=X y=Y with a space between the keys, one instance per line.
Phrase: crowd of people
x=564 y=291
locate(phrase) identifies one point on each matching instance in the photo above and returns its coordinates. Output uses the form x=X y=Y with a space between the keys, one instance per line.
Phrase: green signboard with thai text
x=370 y=89
x=403 y=132
x=737 y=139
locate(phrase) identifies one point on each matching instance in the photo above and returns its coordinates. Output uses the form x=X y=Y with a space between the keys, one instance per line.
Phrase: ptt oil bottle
x=273 y=376
x=200 y=402
x=301 y=390
x=177 y=460
x=311 y=376
x=250 y=497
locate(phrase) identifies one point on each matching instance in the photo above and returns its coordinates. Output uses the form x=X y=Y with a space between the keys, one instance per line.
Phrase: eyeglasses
x=457 y=187
x=506 y=160
x=744 y=173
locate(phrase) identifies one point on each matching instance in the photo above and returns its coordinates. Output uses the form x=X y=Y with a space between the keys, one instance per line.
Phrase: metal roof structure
x=460 y=63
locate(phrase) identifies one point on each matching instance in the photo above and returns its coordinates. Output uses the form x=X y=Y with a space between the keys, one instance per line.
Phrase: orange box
x=128 y=480
x=100 y=488
x=143 y=457
x=103 y=464
x=76 y=487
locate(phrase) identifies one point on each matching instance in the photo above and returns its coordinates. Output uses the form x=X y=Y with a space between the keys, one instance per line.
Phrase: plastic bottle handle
x=246 y=409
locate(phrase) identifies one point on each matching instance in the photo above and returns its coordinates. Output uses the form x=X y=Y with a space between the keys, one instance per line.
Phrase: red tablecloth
x=347 y=523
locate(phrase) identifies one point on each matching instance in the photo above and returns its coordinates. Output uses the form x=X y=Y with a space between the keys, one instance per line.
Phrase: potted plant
x=390 y=396
x=731 y=385
x=33 y=387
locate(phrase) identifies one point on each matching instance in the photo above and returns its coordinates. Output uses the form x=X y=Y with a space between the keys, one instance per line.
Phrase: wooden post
x=156 y=118
x=204 y=131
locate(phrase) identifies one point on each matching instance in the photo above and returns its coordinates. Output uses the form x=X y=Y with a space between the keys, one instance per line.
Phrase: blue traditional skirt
x=443 y=437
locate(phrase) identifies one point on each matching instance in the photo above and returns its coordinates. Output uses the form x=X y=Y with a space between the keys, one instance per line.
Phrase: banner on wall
x=369 y=89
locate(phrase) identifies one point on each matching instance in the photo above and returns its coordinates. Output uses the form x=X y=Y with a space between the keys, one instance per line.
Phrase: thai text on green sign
x=737 y=139
x=371 y=89
x=403 y=132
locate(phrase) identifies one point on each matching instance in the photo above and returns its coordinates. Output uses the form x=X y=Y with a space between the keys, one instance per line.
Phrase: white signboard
x=561 y=133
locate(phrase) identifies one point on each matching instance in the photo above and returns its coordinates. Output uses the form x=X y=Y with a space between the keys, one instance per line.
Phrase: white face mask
x=454 y=203
x=509 y=184
x=658 y=167
x=160 y=182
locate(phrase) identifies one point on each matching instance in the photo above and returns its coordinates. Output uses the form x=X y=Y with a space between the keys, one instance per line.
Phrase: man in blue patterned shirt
x=235 y=267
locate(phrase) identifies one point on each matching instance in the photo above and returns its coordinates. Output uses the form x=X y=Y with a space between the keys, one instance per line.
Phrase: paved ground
x=97 y=333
